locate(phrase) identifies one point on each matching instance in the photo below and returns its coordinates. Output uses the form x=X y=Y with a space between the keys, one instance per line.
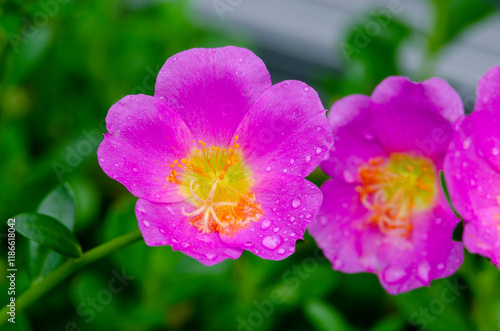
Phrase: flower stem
x=37 y=290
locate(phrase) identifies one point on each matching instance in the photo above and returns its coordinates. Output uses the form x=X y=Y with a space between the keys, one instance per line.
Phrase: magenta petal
x=486 y=116
x=474 y=187
x=483 y=235
x=332 y=228
x=289 y=204
x=355 y=141
x=212 y=89
x=286 y=130
x=488 y=91
x=432 y=254
x=144 y=137
x=165 y=224
x=415 y=117
x=352 y=246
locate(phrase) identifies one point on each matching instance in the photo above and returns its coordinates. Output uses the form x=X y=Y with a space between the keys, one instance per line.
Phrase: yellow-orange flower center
x=219 y=185
x=395 y=188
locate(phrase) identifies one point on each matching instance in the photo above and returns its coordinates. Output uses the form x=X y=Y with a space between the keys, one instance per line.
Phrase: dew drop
x=281 y=251
x=135 y=169
x=276 y=230
x=285 y=171
x=368 y=134
x=348 y=176
x=265 y=224
x=495 y=151
x=423 y=272
x=319 y=150
x=185 y=245
x=146 y=223
x=306 y=89
x=268 y=168
x=286 y=84
x=211 y=256
x=440 y=266
x=239 y=72
x=296 y=203
x=292 y=161
x=394 y=274
x=272 y=242
x=308 y=159
x=467 y=143
x=116 y=165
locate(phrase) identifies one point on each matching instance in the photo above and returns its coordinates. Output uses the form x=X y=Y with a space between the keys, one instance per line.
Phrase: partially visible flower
x=383 y=210
x=218 y=156
x=472 y=170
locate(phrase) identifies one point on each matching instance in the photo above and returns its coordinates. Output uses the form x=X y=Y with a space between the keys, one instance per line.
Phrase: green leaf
x=447 y=193
x=48 y=231
x=324 y=317
x=454 y=17
x=392 y=323
x=59 y=204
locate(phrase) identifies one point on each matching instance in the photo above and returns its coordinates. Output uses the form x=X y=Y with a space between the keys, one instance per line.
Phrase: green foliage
x=325 y=317
x=60 y=205
x=48 y=231
x=56 y=86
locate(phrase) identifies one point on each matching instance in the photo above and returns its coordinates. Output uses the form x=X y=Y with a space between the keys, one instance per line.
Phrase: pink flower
x=383 y=210
x=472 y=170
x=218 y=156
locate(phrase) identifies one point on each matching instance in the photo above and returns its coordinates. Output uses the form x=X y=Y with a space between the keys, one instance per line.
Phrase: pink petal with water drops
x=355 y=140
x=165 y=224
x=144 y=137
x=212 y=88
x=286 y=131
x=415 y=117
x=289 y=204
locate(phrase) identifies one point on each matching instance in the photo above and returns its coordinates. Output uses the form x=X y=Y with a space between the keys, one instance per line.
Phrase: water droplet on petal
x=306 y=89
x=281 y=251
x=239 y=72
x=146 y=223
x=495 y=151
x=368 y=134
x=185 y=245
x=272 y=242
x=268 y=168
x=265 y=224
x=308 y=159
x=440 y=266
x=296 y=203
x=423 y=272
x=276 y=230
x=348 y=176
x=292 y=161
x=467 y=143
x=394 y=274
x=211 y=256
x=319 y=150
x=135 y=169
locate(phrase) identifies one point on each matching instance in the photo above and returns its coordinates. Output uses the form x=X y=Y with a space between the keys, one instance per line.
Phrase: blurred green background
x=60 y=73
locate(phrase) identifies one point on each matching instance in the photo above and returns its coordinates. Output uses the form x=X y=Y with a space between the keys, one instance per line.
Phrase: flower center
x=394 y=188
x=218 y=183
